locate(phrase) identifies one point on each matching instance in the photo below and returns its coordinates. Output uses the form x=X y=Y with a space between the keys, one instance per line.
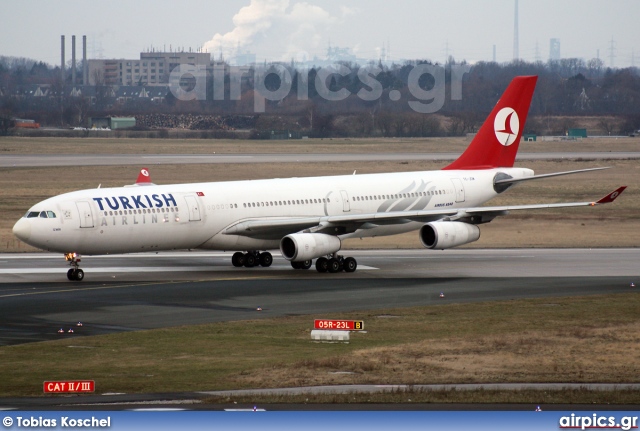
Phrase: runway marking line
x=81 y=289
x=149 y=269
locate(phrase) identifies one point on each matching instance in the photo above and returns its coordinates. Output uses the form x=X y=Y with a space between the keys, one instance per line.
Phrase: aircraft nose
x=22 y=229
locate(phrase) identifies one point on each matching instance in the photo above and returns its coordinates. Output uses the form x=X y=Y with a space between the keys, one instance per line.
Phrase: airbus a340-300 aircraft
x=306 y=218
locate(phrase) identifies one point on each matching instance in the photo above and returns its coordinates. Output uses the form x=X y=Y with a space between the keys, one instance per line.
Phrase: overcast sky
x=282 y=29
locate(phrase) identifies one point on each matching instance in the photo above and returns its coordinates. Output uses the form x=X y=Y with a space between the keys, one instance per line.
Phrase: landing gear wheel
x=334 y=265
x=79 y=275
x=237 y=259
x=249 y=260
x=350 y=264
x=322 y=264
x=266 y=259
x=75 y=273
x=305 y=264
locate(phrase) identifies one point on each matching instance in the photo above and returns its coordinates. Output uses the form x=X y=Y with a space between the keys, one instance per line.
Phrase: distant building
x=245 y=59
x=122 y=94
x=554 y=49
x=337 y=54
x=152 y=69
x=112 y=123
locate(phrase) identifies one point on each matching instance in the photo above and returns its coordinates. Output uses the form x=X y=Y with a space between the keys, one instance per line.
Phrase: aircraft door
x=346 y=206
x=86 y=216
x=194 y=208
x=457 y=184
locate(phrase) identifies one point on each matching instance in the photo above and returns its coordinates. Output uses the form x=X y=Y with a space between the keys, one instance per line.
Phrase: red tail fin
x=496 y=143
x=143 y=177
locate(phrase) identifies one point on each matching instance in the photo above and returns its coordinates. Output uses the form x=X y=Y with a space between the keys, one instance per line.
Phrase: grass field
x=573 y=340
x=26 y=145
x=590 y=339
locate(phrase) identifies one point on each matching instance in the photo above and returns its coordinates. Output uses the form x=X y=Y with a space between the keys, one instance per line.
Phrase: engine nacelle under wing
x=304 y=246
x=447 y=234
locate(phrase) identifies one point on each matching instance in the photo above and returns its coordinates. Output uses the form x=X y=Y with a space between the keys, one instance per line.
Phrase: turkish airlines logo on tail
x=506 y=126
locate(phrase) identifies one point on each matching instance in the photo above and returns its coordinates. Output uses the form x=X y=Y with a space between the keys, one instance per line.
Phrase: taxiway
x=157 y=290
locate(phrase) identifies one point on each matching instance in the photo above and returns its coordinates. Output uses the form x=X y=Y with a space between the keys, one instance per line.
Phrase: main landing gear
x=251 y=259
x=75 y=273
x=332 y=263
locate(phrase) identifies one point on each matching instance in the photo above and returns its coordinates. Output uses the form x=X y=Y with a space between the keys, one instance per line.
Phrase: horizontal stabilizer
x=537 y=177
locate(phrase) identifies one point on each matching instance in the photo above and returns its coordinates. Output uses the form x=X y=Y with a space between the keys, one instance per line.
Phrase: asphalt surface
x=144 y=291
x=40 y=160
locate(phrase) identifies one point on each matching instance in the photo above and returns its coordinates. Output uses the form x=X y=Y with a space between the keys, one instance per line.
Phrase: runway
x=145 y=291
x=41 y=160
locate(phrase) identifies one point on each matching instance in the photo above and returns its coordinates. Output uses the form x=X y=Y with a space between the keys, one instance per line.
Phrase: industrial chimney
x=73 y=60
x=62 y=58
x=85 y=65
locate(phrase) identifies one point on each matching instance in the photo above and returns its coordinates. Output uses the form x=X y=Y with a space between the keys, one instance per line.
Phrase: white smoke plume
x=277 y=30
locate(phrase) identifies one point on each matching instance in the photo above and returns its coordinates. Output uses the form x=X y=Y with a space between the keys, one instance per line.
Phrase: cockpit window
x=41 y=214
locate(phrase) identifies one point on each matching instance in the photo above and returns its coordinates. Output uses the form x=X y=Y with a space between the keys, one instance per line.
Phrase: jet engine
x=447 y=234
x=298 y=247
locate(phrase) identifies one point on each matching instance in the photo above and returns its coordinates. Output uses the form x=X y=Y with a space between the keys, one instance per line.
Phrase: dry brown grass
x=28 y=145
x=608 y=226
x=561 y=340
x=573 y=355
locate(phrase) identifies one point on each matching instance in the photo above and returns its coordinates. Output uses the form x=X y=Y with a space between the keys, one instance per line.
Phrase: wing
x=276 y=228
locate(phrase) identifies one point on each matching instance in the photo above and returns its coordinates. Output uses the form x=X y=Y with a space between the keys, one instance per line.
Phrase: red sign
x=339 y=325
x=74 y=386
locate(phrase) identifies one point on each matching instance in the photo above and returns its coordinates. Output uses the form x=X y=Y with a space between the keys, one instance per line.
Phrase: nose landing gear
x=75 y=273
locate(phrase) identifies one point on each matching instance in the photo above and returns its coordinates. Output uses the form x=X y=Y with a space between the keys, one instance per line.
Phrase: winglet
x=611 y=196
x=144 y=178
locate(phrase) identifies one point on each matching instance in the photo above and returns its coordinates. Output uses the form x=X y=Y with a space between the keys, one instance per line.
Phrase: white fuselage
x=186 y=216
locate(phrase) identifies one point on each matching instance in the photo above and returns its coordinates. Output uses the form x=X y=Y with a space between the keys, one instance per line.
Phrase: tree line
x=565 y=88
